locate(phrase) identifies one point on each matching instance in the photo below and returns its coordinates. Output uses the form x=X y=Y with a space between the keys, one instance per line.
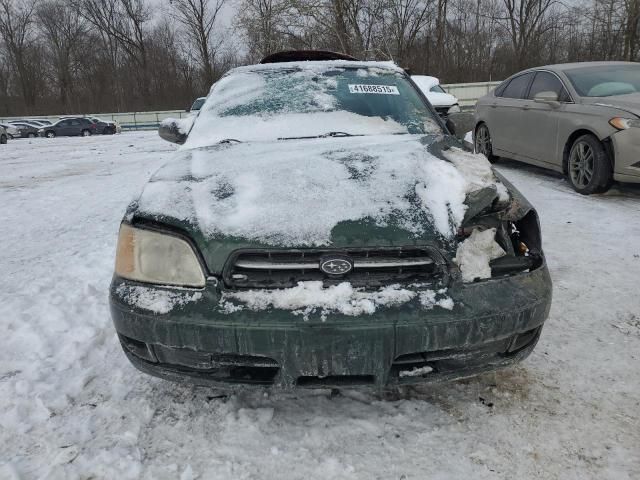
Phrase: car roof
x=561 y=67
x=305 y=55
x=319 y=65
x=425 y=81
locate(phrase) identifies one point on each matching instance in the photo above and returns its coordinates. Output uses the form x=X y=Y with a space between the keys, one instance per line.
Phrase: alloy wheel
x=483 y=141
x=581 y=164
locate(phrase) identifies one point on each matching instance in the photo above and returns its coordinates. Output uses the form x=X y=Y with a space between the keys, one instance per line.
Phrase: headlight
x=152 y=257
x=454 y=109
x=624 y=123
x=40 y=130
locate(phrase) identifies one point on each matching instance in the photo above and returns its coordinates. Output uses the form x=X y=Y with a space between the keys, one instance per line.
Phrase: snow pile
x=155 y=300
x=67 y=390
x=475 y=253
x=293 y=193
x=476 y=170
x=307 y=298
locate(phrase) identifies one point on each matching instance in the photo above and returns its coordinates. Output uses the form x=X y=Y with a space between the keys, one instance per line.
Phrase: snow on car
x=314 y=215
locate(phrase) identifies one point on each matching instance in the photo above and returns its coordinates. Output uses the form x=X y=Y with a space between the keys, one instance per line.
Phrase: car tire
x=482 y=143
x=50 y=134
x=86 y=133
x=589 y=168
x=3 y=139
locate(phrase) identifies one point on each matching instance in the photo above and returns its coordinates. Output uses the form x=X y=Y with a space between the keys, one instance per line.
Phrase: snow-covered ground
x=71 y=406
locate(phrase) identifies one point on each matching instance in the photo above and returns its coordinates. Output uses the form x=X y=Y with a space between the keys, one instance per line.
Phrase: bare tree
x=525 y=20
x=198 y=18
x=262 y=22
x=124 y=21
x=17 y=32
x=62 y=29
x=405 y=20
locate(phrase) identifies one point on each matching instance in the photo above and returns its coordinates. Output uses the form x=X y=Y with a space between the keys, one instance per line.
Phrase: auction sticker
x=377 y=89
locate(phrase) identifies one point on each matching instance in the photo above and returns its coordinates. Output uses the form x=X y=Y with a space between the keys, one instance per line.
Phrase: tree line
x=81 y=56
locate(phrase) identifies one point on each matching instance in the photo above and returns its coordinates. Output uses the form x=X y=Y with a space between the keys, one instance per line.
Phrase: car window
x=548 y=82
x=75 y=123
x=197 y=104
x=517 y=87
x=64 y=123
x=605 y=80
x=437 y=88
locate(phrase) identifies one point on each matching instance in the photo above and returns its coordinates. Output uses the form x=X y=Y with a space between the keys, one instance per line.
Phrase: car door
x=505 y=112
x=75 y=128
x=540 y=121
x=62 y=128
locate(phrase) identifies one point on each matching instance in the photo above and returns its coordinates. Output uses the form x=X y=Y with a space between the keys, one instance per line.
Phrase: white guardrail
x=467 y=94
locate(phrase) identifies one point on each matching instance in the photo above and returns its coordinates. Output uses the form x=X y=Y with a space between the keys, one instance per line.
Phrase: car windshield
x=311 y=101
x=605 y=80
x=438 y=89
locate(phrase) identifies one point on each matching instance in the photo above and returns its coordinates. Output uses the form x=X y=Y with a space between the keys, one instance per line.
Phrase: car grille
x=371 y=267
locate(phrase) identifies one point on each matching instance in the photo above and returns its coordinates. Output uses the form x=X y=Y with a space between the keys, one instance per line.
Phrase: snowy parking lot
x=72 y=407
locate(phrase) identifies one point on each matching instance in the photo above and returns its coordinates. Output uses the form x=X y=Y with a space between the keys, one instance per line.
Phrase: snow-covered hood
x=628 y=103
x=341 y=192
x=438 y=99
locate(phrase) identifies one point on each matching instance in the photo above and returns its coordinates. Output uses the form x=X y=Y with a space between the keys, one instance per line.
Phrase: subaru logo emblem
x=336 y=265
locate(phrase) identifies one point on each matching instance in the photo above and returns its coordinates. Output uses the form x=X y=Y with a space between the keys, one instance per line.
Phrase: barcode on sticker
x=378 y=89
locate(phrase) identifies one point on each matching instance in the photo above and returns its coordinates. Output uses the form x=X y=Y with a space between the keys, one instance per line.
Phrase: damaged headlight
x=152 y=257
x=454 y=109
x=499 y=248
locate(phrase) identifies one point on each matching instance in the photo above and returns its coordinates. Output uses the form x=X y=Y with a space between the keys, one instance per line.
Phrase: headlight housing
x=153 y=257
x=624 y=123
x=454 y=109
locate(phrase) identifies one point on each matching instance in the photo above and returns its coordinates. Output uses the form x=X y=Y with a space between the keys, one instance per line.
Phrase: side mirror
x=171 y=132
x=550 y=98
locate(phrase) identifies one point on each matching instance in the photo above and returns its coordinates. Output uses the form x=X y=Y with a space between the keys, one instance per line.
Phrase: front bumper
x=626 y=149
x=494 y=323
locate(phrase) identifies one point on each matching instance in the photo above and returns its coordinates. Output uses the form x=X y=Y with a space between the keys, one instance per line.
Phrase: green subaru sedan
x=321 y=227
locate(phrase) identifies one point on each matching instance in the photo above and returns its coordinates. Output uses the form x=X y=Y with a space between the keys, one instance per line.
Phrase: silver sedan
x=581 y=119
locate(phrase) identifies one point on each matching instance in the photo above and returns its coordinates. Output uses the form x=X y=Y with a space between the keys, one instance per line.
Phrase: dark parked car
x=103 y=127
x=3 y=135
x=320 y=227
x=69 y=127
x=26 y=130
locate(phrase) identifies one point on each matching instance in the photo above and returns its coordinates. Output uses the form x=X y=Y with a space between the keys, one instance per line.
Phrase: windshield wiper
x=339 y=134
x=324 y=135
